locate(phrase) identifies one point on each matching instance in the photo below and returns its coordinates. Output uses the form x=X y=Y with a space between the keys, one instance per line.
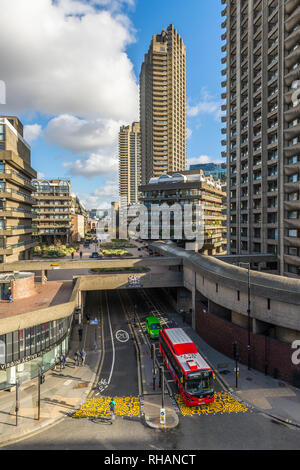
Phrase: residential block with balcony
x=262 y=116
x=194 y=188
x=16 y=189
x=53 y=210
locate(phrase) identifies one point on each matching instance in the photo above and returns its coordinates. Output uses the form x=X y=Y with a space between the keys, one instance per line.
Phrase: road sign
x=162 y=416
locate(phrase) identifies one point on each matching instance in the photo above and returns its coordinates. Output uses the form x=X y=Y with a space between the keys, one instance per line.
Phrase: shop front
x=25 y=353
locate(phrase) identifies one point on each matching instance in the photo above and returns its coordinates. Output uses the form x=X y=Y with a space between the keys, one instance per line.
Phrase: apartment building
x=261 y=137
x=78 y=220
x=194 y=188
x=163 y=105
x=129 y=162
x=217 y=170
x=53 y=210
x=16 y=188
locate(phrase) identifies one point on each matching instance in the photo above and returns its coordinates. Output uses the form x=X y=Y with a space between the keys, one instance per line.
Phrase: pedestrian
x=112 y=407
x=88 y=318
x=80 y=254
x=83 y=357
x=62 y=361
x=10 y=298
x=76 y=356
x=72 y=254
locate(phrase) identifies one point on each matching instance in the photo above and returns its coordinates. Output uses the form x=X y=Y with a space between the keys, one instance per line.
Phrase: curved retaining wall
x=221 y=311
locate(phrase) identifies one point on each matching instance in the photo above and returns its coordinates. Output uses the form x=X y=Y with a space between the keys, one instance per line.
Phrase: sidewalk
x=268 y=395
x=152 y=399
x=62 y=392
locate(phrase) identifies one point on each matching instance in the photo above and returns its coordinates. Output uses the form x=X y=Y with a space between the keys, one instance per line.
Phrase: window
x=292 y=251
x=292 y=233
x=293 y=269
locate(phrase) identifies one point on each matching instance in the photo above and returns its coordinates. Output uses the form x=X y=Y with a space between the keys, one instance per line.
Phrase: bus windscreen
x=199 y=383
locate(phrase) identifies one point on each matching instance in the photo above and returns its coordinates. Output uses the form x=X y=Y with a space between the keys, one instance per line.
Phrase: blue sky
x=59 y=80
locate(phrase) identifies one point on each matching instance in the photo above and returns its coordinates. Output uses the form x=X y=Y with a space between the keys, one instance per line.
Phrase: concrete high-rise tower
x=262 y=133
x=163 y=105
x=129 y=162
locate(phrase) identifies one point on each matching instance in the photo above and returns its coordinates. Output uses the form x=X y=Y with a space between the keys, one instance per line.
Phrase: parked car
x=153 y=326
x=95 y=254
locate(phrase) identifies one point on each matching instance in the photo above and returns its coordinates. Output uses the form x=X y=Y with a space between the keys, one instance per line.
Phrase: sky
x=71 y=70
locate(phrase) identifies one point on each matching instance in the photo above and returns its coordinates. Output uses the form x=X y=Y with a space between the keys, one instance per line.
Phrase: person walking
x=112 y=407
x=83 y=357
x=76 y=356
x=62 y=361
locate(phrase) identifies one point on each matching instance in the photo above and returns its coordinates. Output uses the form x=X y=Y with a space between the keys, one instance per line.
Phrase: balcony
x=293 y=20
x=16 y=177
x=16 y=213
x=16 y=230
x=293 y=57
x=292 y=74
x=292 y=38
x=14 y=195
x=291 y=5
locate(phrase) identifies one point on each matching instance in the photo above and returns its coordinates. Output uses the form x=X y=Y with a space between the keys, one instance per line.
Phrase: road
x=118 y=377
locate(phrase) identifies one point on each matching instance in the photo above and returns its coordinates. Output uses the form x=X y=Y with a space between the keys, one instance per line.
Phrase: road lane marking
x=112 y=341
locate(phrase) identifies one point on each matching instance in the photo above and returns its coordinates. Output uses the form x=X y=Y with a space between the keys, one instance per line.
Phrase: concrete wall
x=36 y=317
x=120 y=281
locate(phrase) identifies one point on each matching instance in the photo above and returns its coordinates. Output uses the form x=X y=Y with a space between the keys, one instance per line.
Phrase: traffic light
x=42 y=378
x=235 y=350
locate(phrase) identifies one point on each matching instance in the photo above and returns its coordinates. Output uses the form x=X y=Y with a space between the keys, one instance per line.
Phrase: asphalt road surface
x=238 y=431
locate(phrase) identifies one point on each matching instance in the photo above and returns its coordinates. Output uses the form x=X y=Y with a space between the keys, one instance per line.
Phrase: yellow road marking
x=224 y=403
x=125 y=406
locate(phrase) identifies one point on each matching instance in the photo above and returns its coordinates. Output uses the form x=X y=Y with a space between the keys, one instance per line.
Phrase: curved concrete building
x=218 y=299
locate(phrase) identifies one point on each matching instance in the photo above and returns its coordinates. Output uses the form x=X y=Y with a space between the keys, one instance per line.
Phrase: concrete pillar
x=11 y=375
x=20 y=367
x=44 y=276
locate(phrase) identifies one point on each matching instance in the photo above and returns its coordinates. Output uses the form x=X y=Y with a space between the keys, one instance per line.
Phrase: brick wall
x=267 y=354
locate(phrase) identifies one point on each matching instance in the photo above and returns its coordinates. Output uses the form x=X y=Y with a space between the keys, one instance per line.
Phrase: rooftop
x=46 y=295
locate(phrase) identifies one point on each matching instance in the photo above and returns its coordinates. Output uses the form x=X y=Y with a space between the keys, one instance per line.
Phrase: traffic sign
x=162 y=416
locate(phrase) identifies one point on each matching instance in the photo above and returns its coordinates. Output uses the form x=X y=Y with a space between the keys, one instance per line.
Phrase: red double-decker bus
x=188 y=368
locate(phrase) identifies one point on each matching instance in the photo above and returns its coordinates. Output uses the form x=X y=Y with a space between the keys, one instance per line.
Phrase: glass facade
x=24 y=351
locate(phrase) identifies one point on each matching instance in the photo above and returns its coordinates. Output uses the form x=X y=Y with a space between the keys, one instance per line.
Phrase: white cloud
x=199 y=160
x=32 y=132
x=80 y=135
x=188 y=132
x=71 y=58
x=207 y=105
x=94 y=165
x=101 y=197
x=40 y=175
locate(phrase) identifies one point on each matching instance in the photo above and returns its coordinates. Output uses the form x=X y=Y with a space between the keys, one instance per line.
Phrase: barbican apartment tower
x=129 y=162
x=262 y=133
x=163 y=106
